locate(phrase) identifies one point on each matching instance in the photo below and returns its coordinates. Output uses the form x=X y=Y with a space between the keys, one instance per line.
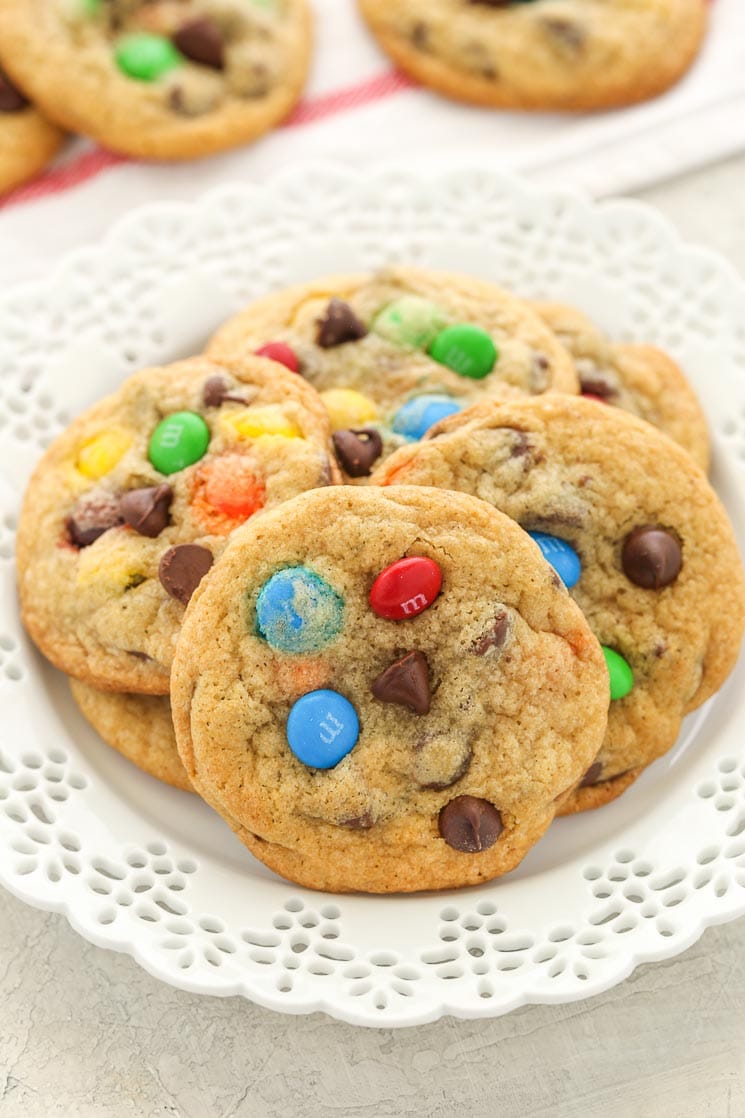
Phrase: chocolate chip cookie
x=541 y=54
x=130 y=505
x=386 y=690
x=137 y=726
x=393 y=353
x=27 y=140
x=633 y=530
x=164 y=79
x=640 y=379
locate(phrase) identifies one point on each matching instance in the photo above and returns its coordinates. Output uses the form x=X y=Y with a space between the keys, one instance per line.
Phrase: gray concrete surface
x=87 y=1034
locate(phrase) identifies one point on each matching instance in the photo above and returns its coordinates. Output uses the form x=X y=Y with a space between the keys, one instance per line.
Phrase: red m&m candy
x=282 y=354
x=406 y=588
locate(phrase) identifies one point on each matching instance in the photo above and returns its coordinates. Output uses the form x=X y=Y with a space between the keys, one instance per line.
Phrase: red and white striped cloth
x=359 y=110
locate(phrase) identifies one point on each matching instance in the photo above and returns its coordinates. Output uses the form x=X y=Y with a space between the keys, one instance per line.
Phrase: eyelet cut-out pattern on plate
x=142 y=868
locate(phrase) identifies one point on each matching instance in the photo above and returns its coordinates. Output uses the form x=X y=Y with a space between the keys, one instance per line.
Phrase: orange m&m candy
x=226 y=492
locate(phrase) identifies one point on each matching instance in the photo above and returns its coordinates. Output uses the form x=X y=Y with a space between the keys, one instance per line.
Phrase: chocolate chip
x=11 y=99
x=494 y=637
x=596 y=385
x=470 y=824
x=339 y=324
x=406 y=682
x=566 y=33
x=138 y=655
x=182 y=568
x=593 y=775
x=651 y=557
x=419 y=35
x=146 y=510
x=216 y=391
x=201 y=40
x=358 y=822
x=93 y=515
x=357 y=450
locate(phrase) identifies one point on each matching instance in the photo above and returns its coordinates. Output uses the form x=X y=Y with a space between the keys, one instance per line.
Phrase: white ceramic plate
x=139 y=867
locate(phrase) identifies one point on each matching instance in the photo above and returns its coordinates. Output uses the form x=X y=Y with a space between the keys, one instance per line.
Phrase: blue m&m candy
x=416 y=416
x=561 y=555
x=297 y=611
x=322 y=728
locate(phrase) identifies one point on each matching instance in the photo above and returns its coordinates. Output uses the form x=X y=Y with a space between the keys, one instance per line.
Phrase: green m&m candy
x=411 y=322
x=178 y=441
x=467 y=350
x=621 y=675
x=146 y=57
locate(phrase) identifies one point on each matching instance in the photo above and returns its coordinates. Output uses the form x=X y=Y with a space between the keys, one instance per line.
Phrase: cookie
x=128 y=508
x=640 y=379
x=163 y=79
x=385 y=690
x=393 y=353
x=27 y=140
x=548 y=54
x=636 y=533
x=137 y=726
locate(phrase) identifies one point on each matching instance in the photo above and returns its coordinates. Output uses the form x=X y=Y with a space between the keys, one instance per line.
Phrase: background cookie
x=137 y=726
x=640 y=379
x=394 y=352
x=548 y=54
x=161 y=79
x=27 y=140
x=634 y=529
x=128 y=507
x=386 y=690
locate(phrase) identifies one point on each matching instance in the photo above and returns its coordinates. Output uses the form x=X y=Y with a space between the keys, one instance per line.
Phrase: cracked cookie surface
x=129 y=506
x=386 y=690
x=544 y=54
x=164 y=79
x=657 y=574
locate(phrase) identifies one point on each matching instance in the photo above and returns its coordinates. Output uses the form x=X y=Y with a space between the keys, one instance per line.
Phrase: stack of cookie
x=421 y=564
x=158 y=80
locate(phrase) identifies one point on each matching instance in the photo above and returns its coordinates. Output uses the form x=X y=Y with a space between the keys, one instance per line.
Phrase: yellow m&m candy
x=254 y=423
x=348 y=408
x=99 y=455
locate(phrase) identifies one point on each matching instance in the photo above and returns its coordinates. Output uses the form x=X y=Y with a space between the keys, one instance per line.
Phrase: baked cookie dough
x=386 y=690
x=162 y=79
x=641 y=379
x=544 y=54
x=137 y=726
x=393 y=353
x=633 y=528
x=128 y=508
x=27 y=140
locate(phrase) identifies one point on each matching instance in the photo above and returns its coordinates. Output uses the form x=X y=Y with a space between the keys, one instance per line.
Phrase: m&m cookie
x=631 y=527
x=155 y=78
x=640 y=379
x=27 y=140
x=394 y=353
x=541 y=54
x=386 y=690
x=130 y=506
